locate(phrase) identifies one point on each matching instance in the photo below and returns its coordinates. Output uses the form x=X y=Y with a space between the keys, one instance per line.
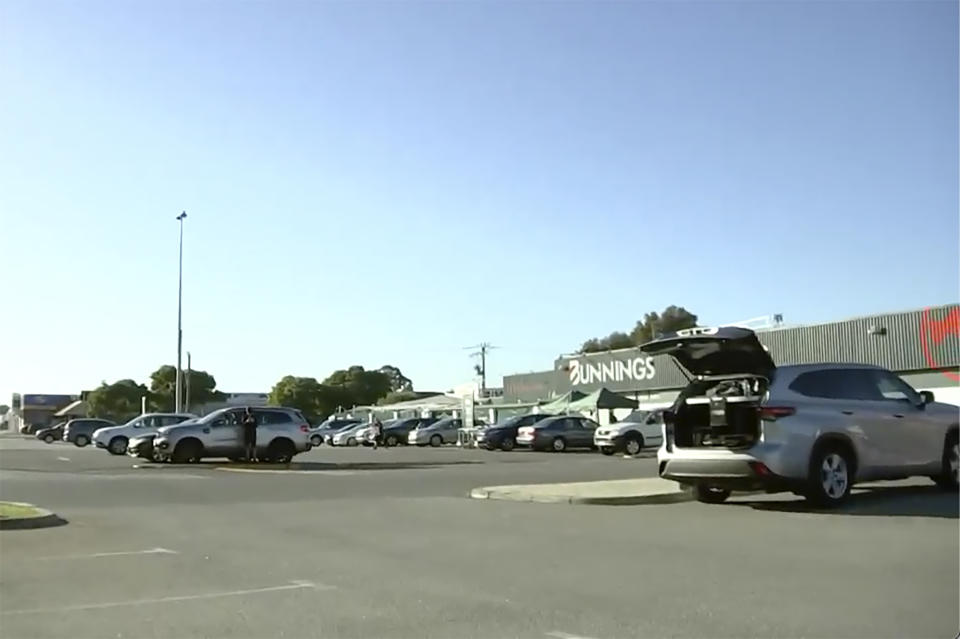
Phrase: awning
x=602 y=398
x=74 y=409
x=561 y=404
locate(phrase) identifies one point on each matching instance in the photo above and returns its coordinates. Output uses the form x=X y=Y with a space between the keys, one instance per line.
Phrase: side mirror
x=926 y=397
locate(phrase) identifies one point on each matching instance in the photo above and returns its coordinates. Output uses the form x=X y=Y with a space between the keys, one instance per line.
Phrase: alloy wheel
x=834 y=476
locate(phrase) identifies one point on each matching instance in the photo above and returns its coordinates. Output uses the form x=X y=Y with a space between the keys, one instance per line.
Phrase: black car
x=51 y=433
x=80 y=431
x=503 y=435
x=397 y=431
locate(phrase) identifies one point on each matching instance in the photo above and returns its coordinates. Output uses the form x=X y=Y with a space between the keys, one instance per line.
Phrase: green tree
x=315 y=400
x=163 y=384
x=611 y=342
x=364 y=387
x=673 y=318
x=395 y=397
x=119 y=401
x=398 y=381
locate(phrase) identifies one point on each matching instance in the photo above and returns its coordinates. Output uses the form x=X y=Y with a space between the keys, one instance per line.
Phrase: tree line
x=343 y=389
x=673 y=318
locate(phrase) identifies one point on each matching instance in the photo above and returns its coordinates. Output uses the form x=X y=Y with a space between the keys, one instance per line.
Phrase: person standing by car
x=249 y=425
x=377 y=433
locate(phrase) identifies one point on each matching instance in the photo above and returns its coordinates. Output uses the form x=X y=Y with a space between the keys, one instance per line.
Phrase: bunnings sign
x=584 y=372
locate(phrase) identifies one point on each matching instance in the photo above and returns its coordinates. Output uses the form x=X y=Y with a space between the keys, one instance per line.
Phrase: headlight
x=161 y=443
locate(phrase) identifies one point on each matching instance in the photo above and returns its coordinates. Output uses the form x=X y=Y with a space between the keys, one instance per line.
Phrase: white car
x=349 y=436
x=116 y=438
x=641 y=428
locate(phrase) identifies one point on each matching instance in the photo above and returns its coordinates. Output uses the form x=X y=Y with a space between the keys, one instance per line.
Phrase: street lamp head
x=182 y=215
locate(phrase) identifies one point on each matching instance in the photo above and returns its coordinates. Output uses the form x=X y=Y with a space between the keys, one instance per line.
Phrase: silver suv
x=744 y=423
x=281 y=434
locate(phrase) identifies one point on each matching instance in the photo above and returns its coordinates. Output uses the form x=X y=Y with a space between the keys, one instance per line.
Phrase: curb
x=492 y=492
x=43 y=519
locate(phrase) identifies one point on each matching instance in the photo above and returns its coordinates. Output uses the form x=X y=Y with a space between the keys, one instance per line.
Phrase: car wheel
x=633 y=444
x=316 y=440
x=559 y=445
x=436 y=440
x=281 y=452
x=48 y=438
x=947 y=479
x=351 y=442
x=187 y=452
x=710 y=494
x=508 y=443
x=81 y=441
x=830 y=477
x=118 y=445
x=606 y=450
x=391 y=441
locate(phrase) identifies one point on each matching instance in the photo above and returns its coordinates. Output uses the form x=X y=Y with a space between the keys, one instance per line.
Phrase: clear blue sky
x=388 y=182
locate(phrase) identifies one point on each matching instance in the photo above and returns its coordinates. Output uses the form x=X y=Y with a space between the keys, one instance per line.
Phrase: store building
x=922 y=346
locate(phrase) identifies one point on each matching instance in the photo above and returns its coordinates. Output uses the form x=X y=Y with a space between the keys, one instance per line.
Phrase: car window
x=838 y=383
x=588 y=424
x=637 y=417
x=170 y=420
x=272 y=417
x=892 y=387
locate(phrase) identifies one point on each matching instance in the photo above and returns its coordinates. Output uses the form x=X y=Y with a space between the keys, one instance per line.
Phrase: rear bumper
x=733 y=474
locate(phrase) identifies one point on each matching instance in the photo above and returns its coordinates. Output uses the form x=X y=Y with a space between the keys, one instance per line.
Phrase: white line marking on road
x=149 y=551
x=293 y=585
x=565 y=635
x=63 y=458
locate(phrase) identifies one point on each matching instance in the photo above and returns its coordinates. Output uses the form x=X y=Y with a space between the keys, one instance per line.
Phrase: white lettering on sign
x=637 y=369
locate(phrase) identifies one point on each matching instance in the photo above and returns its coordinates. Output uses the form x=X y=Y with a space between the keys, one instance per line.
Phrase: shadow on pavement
x=877 y=501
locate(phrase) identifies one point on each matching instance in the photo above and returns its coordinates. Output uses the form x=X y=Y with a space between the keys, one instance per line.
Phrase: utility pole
x=480 y=350
x=178 y=393
x=189 y=375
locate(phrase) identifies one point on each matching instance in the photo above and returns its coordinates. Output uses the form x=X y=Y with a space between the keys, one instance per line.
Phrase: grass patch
x=9 y=510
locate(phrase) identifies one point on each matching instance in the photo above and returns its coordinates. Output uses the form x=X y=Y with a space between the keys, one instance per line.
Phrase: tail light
x=760 y=469
x=772 y=413
x=305 y=428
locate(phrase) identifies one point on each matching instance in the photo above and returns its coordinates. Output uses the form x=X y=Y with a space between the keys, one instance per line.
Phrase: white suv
x=813 y=429
x=641 y=428
x=116 y=438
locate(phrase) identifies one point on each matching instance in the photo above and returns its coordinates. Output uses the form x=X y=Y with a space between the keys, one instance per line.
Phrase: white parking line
x=63 y=458
x=150 y=551
x=565 y=635
x=293 y=585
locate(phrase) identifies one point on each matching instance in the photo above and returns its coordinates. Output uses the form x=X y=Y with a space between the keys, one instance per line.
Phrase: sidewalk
x=621 y=492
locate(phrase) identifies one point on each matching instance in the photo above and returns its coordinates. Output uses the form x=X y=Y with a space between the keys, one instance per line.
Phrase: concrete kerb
x=40 y=518
x=600 y=493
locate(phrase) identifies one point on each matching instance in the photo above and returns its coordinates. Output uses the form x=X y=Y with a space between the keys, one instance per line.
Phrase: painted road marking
x=565 y=635
x=150 y=551
x=63 y=458
x=293 y=585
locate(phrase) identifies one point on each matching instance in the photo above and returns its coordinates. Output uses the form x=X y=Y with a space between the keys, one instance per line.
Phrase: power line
x=480 y=350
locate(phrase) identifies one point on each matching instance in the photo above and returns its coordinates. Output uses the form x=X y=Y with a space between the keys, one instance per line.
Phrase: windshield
x=637 y=417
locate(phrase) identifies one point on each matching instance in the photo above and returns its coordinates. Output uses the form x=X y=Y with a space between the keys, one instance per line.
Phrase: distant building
x=37 y=410
x=922 y=346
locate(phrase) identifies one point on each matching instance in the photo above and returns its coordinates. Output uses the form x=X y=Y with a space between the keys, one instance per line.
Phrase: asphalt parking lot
x=363 y=543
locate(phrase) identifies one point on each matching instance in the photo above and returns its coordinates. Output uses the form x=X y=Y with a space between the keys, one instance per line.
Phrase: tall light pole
x=178 y=394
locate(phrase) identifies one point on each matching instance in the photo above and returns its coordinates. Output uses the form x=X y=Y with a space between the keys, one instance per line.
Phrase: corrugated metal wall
x=911 y=341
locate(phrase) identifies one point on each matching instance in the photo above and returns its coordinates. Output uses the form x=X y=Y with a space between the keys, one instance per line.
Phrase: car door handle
x=847 y=412
x=898 y=415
